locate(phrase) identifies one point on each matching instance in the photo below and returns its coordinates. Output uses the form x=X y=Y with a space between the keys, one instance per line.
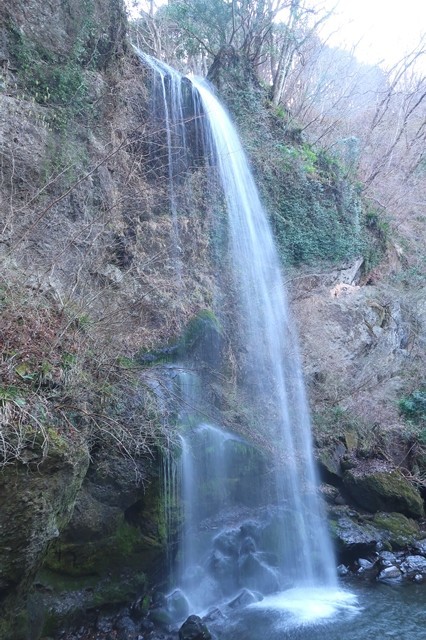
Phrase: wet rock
x=104 y=625
x=244 y=598
x=178 y=605
x=342 y=570
x=361 y=535
x=413 y=565
x=223 y=568
x=420 y=546
x=353 y=536
x=365 y=565
x=418 y=578
x=251 y=529
x=194 y=629
x=387 y=559
x=147 y=625
x=126 y=627
x=228 y=542
x=390 y=575
x=254 y=574
x=161 y=617
x=248 y=545
x=214 y=615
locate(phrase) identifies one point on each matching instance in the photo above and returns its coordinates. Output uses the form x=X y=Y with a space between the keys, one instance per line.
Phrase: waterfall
x=271 y=343
x=237 y=549
x=167 y=104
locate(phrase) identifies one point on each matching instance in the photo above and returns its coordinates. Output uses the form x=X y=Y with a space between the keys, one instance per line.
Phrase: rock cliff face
x=89 y=278
x=77 y=213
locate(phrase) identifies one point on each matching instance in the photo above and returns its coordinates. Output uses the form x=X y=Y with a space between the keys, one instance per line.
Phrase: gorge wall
x=92 y=307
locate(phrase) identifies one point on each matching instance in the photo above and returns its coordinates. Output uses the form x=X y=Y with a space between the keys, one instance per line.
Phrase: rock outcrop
x=36 y=503
x=378 y=488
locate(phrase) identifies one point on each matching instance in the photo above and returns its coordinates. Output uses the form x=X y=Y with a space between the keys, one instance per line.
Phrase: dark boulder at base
x=376 y=487
x=194 y=629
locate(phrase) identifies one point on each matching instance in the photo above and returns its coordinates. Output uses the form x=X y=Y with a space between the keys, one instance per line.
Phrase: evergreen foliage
x=413 y=408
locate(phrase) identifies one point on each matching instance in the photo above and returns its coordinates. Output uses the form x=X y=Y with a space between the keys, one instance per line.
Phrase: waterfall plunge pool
x=370 y=611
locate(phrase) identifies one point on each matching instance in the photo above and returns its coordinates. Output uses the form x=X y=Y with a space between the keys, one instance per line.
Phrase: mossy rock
x=106 y=537
x=36 y=503
x=330 y=459
x=61 y=602
x=15 y=627
x=125 y=547
x=203 y=323
x=358 y=534
x=380 y=489
x=201 y=340
x=353 y=535
x=400 y=531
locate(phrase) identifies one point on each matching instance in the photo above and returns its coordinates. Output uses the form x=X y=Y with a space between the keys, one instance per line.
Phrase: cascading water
x=167 y=104
x=272 y=353
x=238 y=548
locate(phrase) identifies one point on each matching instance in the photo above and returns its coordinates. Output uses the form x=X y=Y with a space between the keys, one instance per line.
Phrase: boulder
x=330 y=459
x=413 y=565
x=377 y=488
x=194 y=629
x=228 y=542
x=353 y=535
x=365 y=565
x=244 y=598
x=255 y=574
x=387 y=559
x=358 y=535
x=420 y=547
x=396 y=529
x=390 y=575
x=178 y=605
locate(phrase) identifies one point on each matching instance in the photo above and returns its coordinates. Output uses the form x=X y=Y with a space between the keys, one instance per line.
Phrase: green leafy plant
x=11 y=394
x=53 y=79
x=413 y=407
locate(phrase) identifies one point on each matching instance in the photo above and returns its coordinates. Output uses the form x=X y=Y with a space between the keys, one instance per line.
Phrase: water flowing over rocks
x=194 y=629
x=83 y=529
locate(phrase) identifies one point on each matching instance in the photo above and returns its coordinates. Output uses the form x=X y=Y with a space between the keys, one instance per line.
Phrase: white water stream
x=235 y=556
x=271 y=342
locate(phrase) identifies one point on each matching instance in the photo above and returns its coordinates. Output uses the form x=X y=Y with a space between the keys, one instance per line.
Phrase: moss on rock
x=381 y=489
x=359 y=534
x=400 y=530
x=36 y=502
x=114 y=541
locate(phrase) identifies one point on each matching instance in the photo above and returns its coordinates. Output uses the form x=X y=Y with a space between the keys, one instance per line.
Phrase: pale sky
x=383 y=30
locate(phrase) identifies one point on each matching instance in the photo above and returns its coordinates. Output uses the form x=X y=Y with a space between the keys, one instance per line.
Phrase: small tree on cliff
x=268 y=34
